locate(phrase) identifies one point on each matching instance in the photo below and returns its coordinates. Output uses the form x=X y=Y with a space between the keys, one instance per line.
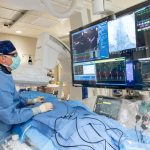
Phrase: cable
x=96 y=132
x=63 y=117
x=136 y=133
x=69 y=115
x=108 y=129
x=137 y=117
x=10 y=9
x=120 y=135
x=81 y=136
x=65 y=145
x=105 y=139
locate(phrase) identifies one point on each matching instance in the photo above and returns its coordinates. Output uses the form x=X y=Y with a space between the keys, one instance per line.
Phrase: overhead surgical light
x=65 y=14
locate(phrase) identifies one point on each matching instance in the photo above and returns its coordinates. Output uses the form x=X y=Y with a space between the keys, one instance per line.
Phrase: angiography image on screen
x=113 y=53
x=122 y=34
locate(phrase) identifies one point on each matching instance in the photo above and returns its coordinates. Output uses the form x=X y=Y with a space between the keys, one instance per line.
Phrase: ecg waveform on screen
x=143 y=19
x=111 y=72
x=143 y=27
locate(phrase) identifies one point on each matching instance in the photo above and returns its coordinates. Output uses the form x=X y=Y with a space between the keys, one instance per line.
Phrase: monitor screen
x=90 y=43
x=143 y=27
x=142 y=73
x=121 y=34
x=106 y=72
x=113 y=53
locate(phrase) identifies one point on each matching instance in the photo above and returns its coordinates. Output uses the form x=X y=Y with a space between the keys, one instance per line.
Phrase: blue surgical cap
x=6 y=47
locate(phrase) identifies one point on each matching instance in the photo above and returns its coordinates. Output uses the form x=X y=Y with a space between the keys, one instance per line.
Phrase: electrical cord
x=119 y=141
x=104 y=139
x=120 y=135
x=144 y=118
x=69 y=115
x=136 y=132
x=63 y=117
x=83 y=138
x=101 y=136
x=65 y=145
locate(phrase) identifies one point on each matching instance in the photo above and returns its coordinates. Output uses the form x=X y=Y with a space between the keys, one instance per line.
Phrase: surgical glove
x=42 y=108
x=35 y=100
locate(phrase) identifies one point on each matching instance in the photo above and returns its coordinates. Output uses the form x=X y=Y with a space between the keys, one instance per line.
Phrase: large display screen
x=113 y=53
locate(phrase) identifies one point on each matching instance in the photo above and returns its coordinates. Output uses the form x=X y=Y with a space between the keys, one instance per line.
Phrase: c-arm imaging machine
x=49 y=52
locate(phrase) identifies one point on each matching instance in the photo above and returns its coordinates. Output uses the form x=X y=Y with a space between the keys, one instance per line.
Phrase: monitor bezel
x=119 y=14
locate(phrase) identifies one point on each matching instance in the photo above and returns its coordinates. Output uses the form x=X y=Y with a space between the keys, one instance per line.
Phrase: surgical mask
x=15 y=62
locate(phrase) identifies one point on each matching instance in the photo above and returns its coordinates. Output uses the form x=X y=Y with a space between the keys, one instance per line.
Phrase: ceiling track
x=6 y=18
x=11 y=9
x=16 y=19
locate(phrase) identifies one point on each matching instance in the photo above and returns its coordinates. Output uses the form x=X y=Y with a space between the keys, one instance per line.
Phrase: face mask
x=15 y=62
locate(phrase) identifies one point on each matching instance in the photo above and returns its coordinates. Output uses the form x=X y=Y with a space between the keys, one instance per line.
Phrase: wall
x=25 y=45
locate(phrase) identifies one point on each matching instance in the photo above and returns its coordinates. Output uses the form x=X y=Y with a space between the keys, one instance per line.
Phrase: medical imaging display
x=122 y=34
x=113 y=52
x=90 y=43
x=84 y=72
x=143 y=27
x=114 y=72
x=142 y=72
x=111 y=71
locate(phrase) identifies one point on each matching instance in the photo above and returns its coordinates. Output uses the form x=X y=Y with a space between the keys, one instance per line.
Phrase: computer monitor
x=90 y=43
x=114 y=72
x=129 y=34
x=113 y=53
x=104 y=73
x=121 y=35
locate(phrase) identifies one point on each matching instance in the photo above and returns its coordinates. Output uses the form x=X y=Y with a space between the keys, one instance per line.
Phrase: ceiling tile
x=44 y=22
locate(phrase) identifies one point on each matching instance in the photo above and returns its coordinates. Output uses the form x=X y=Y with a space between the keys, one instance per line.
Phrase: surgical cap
x=6 y=47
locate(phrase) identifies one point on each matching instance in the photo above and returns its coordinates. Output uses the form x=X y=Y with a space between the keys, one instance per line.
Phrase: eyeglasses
x=13 y=55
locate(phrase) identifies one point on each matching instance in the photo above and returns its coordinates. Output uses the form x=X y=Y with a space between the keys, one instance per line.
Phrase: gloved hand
x=36 y=100
x=42 y=108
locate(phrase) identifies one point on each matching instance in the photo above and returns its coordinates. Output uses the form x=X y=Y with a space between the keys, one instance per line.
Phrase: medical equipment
x=110 y=53
x=49 y=52
x=108 y=106
x=13 y=143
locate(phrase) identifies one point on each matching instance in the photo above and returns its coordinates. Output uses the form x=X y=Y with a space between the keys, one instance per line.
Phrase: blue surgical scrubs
x=11 y=111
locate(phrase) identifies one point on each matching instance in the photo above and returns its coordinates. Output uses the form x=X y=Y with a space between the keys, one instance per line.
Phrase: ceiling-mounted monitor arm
x=65 y=14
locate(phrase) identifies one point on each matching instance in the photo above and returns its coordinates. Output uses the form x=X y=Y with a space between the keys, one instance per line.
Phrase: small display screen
x=91 y=43
x=111 y=71
x=122 y=34
x=143 y=27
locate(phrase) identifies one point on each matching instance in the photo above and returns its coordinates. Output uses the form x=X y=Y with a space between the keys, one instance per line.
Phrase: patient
x=13 y=109
x=72 y=126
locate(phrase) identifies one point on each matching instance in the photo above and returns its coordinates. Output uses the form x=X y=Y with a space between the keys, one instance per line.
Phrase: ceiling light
x=19 y=32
